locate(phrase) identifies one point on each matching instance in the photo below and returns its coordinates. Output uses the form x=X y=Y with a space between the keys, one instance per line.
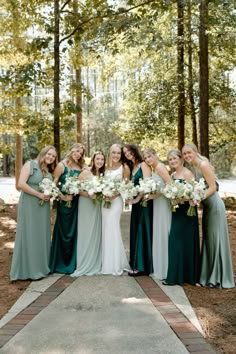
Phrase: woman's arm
x=207 y=172
x=126 y=172
x=163 y=172
x=146 y=170
x=22 y=183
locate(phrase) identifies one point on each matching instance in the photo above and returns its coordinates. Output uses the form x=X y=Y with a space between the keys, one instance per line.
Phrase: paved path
x=102 y=315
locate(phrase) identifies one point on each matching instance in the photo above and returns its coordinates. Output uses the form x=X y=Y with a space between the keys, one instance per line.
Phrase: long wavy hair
x=92 y=163
x=136 y=153
x=42 y=163
x=69 y=161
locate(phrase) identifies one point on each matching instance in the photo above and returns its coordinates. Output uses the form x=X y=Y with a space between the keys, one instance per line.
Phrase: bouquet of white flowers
x=148 y=186
x=197 y=194
x=110 y=187
x=93 y=186
x=128 y=190
x=71 y=187
x=48 y=187
x=175 y=190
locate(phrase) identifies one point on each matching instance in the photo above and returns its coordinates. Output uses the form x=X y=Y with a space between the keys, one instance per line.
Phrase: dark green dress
x=184 y=248
x=64 y=240
x=141 y=233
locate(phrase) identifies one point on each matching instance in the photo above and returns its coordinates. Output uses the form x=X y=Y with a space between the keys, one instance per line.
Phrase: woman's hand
x=65 y=198
x=135 y=200
x=44 y=197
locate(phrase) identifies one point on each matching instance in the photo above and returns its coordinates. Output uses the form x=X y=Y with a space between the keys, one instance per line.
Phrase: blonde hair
x=109 y=158
x=176 y=152
x=41 y=160
x=150 y=151
x=195 y=149
x=69 y=159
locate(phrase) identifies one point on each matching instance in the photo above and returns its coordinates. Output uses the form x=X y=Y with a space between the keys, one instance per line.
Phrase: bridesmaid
x=32 y=247
x=89 y=244
x=63 y=250
x=141 y=217
x=216 y=262
x=161 y=215
x=114 y=260
x=184 y=246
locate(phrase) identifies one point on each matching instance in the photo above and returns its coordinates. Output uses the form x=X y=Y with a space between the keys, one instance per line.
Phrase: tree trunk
x=57 y=77
x=203 y=79
x=180 y=74
x=190 y=76
x=79 y=105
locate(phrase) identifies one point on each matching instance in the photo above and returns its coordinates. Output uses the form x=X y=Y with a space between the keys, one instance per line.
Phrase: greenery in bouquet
x=93 y=186
x=70 y=187
x=198 y=193
x=147 y=187
x=110 y=187
x=176 y=192
x=48 y=187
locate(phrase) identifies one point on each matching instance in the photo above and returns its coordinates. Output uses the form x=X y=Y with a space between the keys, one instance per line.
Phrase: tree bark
x=180 y=74
x=56 y=111
x=190 y=76
x=78 y=105
x=203 y=79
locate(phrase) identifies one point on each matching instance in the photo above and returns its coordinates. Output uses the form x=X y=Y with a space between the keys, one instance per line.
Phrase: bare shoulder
x=188 y=174
x=84 y=174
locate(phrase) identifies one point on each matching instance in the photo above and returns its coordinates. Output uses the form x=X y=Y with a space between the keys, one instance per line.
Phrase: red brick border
x=12 y=327
x=178 y=322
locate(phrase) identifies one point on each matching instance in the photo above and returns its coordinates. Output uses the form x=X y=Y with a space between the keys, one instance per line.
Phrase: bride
x=114 y=259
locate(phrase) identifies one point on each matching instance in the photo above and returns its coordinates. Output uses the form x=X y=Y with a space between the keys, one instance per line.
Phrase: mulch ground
x=215 y=308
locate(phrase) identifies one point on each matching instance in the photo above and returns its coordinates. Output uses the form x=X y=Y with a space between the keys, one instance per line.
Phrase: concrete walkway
x=102 y=315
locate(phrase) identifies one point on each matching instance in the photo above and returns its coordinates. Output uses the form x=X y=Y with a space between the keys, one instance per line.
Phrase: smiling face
x=50 y=156
x=189 y=154
x=115 y=154
x=128 y=154
x=150 y=158
x=99 y=161
x=77 y=153
x=174 y=161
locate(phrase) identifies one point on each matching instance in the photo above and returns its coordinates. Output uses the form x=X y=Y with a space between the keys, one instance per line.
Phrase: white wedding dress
x=114 y=259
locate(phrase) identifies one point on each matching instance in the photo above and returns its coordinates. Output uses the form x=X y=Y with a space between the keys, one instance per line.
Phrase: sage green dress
x=64 y=240
x=184 y=248
x=141 y=233
x=216 y=262
x=32 y=246
x=89 y=243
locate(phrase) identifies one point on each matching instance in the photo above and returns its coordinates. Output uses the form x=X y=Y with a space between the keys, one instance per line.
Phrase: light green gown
x=89 y=243
x=32 y=247
x=216 y=262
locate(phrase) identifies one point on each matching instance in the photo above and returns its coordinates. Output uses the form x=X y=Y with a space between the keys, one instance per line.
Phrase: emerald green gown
x=183 y=248
x=141 y=233
x=216 y=262
x=64 y=240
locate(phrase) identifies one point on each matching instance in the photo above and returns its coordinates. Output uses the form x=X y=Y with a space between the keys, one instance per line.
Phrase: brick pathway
x=183 y=328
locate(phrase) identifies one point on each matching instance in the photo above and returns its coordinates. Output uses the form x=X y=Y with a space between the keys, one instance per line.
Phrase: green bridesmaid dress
x=216 y=262
x=141 y=233
x=32 y=246
x=183 y=248
x=64 y=240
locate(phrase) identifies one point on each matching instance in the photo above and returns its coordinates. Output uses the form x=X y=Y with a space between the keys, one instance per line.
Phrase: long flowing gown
x=184 y=248
x=216 y=262
x=161 y=230
x=32 y=247
x=89 y=243
x=141 y=233
x=63 y=249
x=114 y=259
